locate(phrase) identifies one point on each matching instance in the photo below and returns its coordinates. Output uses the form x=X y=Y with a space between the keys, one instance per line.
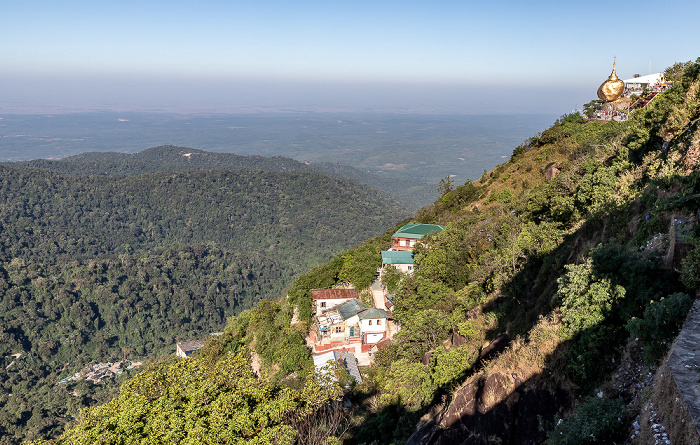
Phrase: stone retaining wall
x=684 y=364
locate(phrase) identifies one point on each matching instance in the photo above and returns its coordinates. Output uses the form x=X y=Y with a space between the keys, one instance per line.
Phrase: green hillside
x=98 y=268
x=558 y=273
x=413 y=193
x=48 y=217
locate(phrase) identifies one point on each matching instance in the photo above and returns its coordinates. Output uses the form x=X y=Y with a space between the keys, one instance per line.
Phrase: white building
x=400 y=259
x=325 y=300
x=641 y=82
x=352 y=320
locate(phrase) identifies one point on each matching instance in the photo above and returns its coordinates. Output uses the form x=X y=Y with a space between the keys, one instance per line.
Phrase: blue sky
x=443 y=56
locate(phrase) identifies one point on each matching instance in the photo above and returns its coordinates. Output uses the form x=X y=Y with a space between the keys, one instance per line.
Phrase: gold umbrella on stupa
x=611 y=90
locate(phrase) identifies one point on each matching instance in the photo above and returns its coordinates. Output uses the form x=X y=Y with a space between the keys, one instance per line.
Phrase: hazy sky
x=444 y=56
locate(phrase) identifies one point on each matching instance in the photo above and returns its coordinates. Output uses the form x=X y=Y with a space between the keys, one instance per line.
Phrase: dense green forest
x=574 y=255
x=48 y=217
x=99 y=268
x=413 y=193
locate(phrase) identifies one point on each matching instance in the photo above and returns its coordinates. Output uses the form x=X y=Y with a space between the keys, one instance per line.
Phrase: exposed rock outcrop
x=495 y=347
x=494 y=409
x=551 y=171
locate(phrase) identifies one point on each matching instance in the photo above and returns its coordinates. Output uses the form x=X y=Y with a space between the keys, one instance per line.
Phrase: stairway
x=644 y=101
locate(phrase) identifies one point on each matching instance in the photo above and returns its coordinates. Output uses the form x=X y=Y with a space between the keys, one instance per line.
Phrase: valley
x=95 y=268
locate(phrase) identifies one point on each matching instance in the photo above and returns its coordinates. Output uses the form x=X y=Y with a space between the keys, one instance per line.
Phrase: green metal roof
x=397 y=257
x=372 y=313
x=417 y=231
x=350 y=308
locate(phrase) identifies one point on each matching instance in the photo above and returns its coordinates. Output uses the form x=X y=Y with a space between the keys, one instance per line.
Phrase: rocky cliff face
x=494 y=409
x=511 y=399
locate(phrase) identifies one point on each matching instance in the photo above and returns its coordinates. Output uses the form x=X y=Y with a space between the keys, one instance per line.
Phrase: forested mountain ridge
x=168 y=158
x=47 y=216
x=95 y=268
x=574 y=262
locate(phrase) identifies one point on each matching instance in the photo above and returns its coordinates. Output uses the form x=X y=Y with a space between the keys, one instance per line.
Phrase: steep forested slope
x=555 y=270
x=94 y=268
x=175 y=159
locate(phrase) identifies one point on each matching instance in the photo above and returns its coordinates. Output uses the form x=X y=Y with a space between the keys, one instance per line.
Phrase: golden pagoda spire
x=611 y=90
x=613 y=75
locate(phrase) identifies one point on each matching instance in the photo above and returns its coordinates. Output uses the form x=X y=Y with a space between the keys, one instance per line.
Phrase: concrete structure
x=684 y=363
x=373 y=324
x=186 y=348
x=379 y=296
x=346 y=360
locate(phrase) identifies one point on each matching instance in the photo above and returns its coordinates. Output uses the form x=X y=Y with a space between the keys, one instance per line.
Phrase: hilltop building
x=353 y=320
x=403 y=241
x=638 y=83
x=400 y=259
x=407 y=236
x=186 y=348
x=621 y=96
x=343 y=323
x=351 y=327
x=327 y=299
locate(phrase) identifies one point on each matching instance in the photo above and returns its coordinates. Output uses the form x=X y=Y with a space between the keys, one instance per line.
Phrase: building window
x=323 y=304
x=338 y=329
x=413 y=243
x=370 y=322
x=379 y=322
x=410 y=267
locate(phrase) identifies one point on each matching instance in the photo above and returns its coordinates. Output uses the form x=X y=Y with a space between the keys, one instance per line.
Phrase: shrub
x=661 y=321
x=407 y=384
x=573 y=118
x=360 y=265
x=590 y=353
x=690 y=269
x=518 y=152
x=661 y=318
x=504 y=197
x=596 y=420
x=585 y=301
x=449 y=365
x=391 y=278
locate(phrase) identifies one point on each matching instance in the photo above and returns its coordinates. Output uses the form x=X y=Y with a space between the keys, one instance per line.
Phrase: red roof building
x=327 y=299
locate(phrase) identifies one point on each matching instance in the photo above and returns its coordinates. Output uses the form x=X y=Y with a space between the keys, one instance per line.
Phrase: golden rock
x=611 y=90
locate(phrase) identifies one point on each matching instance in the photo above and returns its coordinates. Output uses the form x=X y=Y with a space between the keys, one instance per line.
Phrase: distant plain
x=426 y=148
